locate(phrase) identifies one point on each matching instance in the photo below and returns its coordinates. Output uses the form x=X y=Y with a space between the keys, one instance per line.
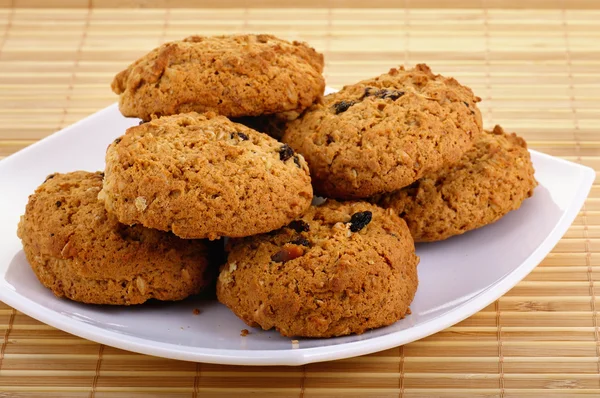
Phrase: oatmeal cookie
x=233 y=75
x=203 y=176
x=382 y=134
x=491 y=179
x=341 y=268
x=81 y=252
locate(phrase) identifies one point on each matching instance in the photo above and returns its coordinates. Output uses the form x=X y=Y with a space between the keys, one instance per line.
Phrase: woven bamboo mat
x=538 y=71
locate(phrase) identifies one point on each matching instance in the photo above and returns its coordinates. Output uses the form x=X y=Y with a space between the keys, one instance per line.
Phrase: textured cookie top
x=491 y=179
x=341 y=268
x=382 y=134
x=203 y=176
x=64 y=220
x=235 y=75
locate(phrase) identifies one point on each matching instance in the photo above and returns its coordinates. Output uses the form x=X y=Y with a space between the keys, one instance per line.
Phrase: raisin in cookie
x=382 y=134
x=341 y=268
x=235 y=75
x=81 y=252
x=203 y=176
x=491 y=179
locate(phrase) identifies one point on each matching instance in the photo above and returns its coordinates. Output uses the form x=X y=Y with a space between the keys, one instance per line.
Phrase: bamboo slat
x=536 y=64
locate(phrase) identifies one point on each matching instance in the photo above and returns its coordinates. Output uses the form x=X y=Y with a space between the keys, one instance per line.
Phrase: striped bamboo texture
x=538 y=71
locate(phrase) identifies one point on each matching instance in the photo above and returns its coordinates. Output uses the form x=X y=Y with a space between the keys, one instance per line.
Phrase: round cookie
x=81 y=252
x=234 y=75
x=382 y=134
x=341 y=268
x=203 y=176
x=491 y=179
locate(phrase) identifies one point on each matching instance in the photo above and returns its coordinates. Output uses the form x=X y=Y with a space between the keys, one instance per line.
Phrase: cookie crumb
x=196 y=311
x=244 y=332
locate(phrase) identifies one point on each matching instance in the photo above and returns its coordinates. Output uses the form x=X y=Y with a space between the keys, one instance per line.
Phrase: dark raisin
x=242 y=136
x=58 y=203
x=392 y=94
x=285 y=152
x=287 y=254
x=141 y=122
x=383 y=93
x=342 y=106
x=116 y=141
x=301 y=242
x=297 y=161
x=466 y=103
x=330 y=139
x=101 y=174
x=360 y=220
x=51 y=176
x=299 y=226
x=51 y=235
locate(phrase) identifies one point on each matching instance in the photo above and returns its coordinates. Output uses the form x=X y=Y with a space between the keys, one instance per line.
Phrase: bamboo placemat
x=538 y=71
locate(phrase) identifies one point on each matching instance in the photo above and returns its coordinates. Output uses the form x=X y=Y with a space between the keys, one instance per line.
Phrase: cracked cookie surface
x=81 y=252
x=382 y=134
x=494 y=177
x=234 y=75
x=203 y=176
x=341 y=268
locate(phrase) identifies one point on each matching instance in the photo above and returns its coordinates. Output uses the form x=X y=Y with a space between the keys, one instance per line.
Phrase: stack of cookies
x=235 y=139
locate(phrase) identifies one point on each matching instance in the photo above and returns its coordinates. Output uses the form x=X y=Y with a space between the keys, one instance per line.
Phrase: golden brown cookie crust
x=491 y=179
x=382 y=134
x=81 y=252
x=234 y=75
x=332 y=272
x=203 y=176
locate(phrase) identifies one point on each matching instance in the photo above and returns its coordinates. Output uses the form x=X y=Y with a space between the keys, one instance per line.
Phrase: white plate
x=458 y=277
